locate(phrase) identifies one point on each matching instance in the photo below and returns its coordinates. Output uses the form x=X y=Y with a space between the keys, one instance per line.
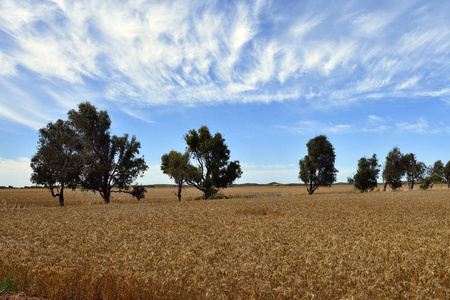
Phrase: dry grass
x=262 y=243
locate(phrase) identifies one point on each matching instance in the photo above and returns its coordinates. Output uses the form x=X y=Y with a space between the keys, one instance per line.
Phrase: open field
x=261 y=243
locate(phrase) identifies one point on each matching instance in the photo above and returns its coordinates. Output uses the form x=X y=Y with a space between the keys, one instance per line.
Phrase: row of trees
x=81 y=151
x=397 y=167
x=317 y=169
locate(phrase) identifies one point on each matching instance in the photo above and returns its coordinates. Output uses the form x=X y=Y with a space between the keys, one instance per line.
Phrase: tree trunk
x=60 y=195
x=180 y=187
x=385 y=185
x=107 y=197
x=312 y=189
x=61 y=199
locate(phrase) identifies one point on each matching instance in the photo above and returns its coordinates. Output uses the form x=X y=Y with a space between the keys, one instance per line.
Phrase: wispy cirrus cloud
x=372 y=124
x=147 y=53
x=421 y=126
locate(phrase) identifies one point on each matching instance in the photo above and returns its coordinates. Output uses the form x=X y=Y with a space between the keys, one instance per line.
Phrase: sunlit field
x=272 y=242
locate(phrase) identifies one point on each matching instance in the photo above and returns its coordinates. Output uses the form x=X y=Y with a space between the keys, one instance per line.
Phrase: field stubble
x=262 y=243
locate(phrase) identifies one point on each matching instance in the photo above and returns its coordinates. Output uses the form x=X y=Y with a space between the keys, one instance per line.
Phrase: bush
x=426 y=183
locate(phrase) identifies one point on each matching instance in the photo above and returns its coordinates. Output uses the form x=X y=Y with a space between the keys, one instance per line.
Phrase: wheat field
x=257 y=243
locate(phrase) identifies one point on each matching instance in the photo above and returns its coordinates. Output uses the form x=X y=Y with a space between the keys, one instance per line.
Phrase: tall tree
x=366 y=176
x=214 y=170
x=447 y=173
x=110 y=162
x=56 y=165
x=317 y=168
x=414 y=169
x=178 y=167
x=394 y=169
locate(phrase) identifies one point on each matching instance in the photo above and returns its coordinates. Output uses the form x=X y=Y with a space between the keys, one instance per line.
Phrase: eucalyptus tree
x=447 y=173
x=394 y=169
x=213 y=169
x=438 y=171
x=366 y=176
x=110 y=162
x=57 y=163
x=414 y=170
x=317 y=168
x=178 y=167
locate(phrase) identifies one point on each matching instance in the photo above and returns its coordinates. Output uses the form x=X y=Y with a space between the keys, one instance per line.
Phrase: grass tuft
x=8 y=285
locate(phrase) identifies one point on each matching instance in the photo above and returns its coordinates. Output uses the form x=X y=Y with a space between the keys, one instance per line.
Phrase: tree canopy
x=57 y=163
x=414 y=170
x=110 y=162
x=214 y=170
x=178 y=167
x=317 y=168
x=394 y=169
x=366 y=176
x=447 y=173
x=437 y=171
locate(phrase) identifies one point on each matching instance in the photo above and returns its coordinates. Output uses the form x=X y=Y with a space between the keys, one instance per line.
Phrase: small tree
x=110 y=162
x=394 y=169
x=438 y=171
x=317 y=168
x=414 y=170
x=177 y=166
x=56 y=164
x=366 y=176
x=426 y=183
x=214 y=170
x=447 y=173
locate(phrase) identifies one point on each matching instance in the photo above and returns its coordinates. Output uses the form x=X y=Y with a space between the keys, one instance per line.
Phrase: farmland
x=258 y=242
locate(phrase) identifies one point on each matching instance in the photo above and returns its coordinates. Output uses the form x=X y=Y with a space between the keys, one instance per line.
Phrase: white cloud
x=420 y=127
x=187 y=52
x=340 y=128
x=304 y=26
x=411 y=82
x=372 y=24
x=340 y=55
x=7 y=65
x=375 y=119
x=14 y=172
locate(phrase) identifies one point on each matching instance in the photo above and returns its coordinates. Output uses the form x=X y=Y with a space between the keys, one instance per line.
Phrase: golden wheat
x=261 y=243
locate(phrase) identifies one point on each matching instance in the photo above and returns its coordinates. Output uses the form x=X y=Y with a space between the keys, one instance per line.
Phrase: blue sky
x=268 y=75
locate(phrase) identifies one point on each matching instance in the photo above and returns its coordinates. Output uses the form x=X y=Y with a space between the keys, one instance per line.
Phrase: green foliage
x=437 y=171
x=426 y=183
x=317 y=168
x=366 y=176
x=394 y=169
x=414 y=170
x=214 y=170
x=178 y=167
x=138 y=192
x=447 y=173
x=8 y=285
x=436 y=178
x=57 y=163
x=110 y=162
x=81 y=151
